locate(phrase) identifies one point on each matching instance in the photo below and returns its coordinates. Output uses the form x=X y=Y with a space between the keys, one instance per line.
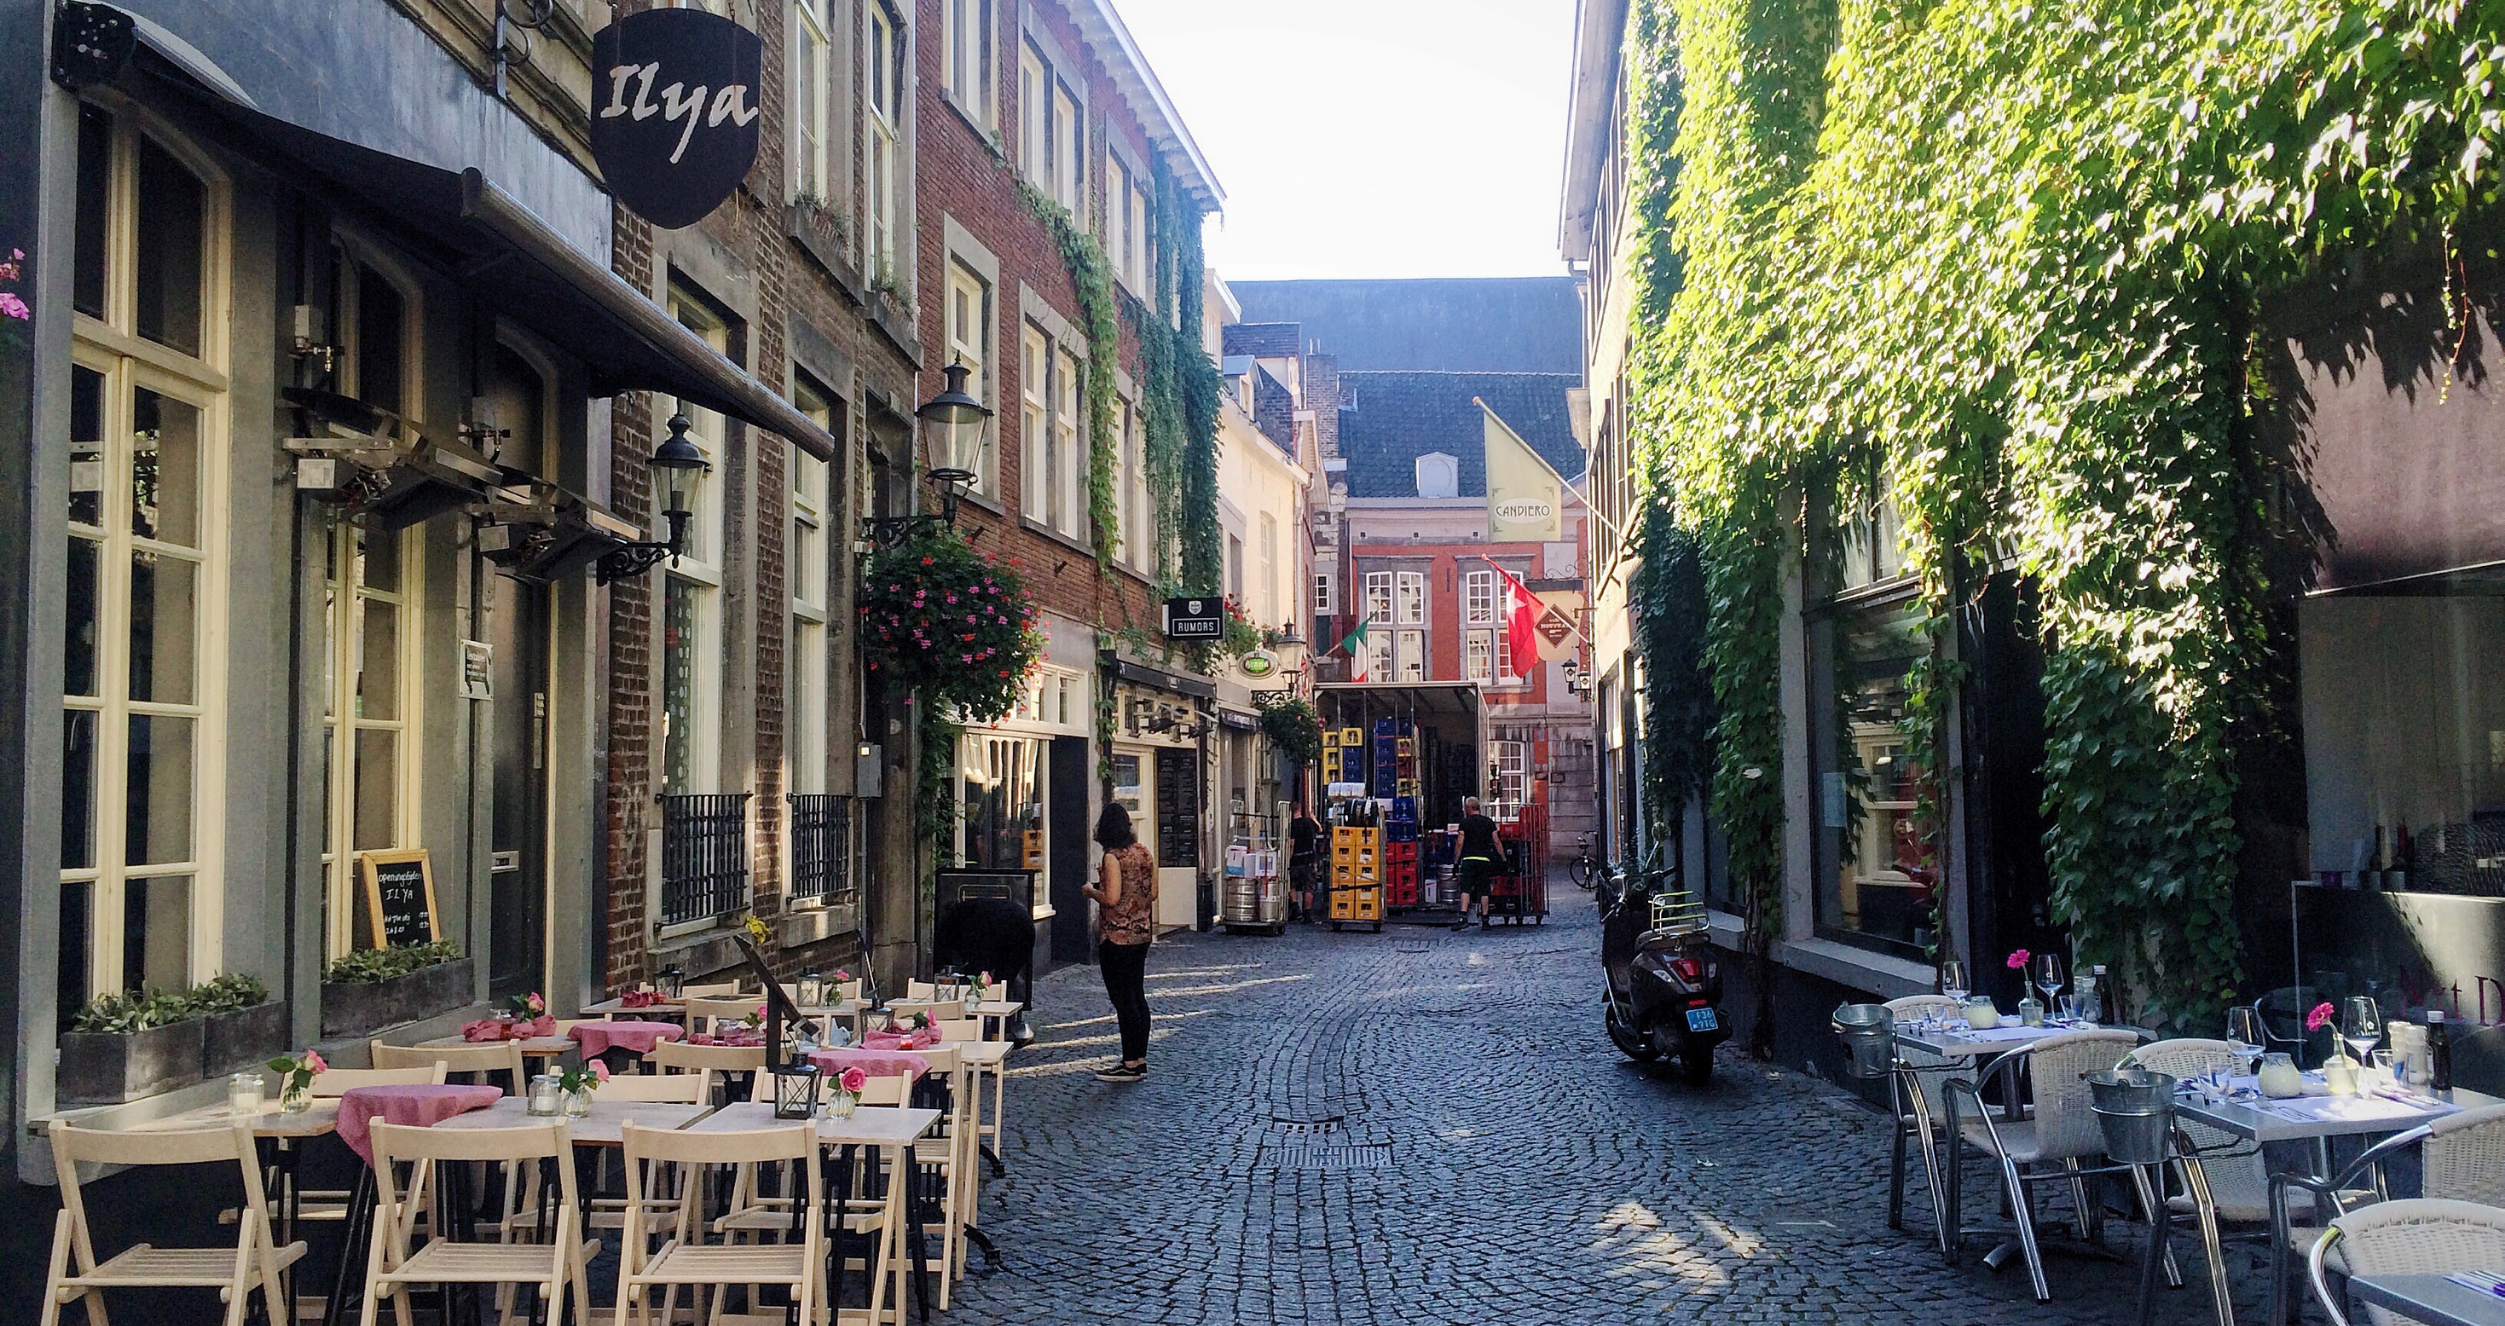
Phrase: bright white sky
x=1372 y=138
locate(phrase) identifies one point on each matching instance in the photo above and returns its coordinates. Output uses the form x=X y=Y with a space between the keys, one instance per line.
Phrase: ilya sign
x=676 y=118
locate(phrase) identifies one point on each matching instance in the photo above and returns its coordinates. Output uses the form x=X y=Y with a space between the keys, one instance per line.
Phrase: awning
x=497 y=250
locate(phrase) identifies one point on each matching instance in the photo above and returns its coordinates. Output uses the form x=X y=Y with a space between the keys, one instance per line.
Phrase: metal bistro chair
x=2233 y=1182
x=2417 y=1236
x=2060 y=1130
x=1918 y=1091
x=2461 y=1160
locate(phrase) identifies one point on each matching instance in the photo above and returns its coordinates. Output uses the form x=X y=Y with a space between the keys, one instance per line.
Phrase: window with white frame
x=969 y=343
x=1067 y=441
x=1325 y=600
x=1126 y=223
x=807 y=562
x=1139 y=505
x=1409 y=598
x=1478 y=598
x=1120 y=474
x=1378 y=656
x=369 y=587
x=1510 y=761
x=1069 y=151
x=142 y=688
x=1235 y=569
x=810 y=77
x=1052 y=130
x=691 y=593
x=1477 y=656
x=966 y=57
x=1413 y=656
x=1142 y=231
x=1268 y=570
x=1035 y=424
x=884 y=99
x=1035 y=117
x=1379 y=597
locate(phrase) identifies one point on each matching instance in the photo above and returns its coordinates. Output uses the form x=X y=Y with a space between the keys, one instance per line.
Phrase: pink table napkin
x=875 y=1062
x=409 y=1105
x=509 y=1029
x=597 y=1037
x=922 y=1039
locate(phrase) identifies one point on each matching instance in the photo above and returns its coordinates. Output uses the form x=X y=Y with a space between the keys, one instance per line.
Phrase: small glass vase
x=295 y=1095
x=2339 y=1076
x=545 y=1100
x=2278 y=1077
x=841 y=1104
x=577 y=1104
x=2030 y=1012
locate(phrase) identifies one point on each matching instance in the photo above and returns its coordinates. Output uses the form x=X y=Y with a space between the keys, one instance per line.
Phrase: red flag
x=1522 y=615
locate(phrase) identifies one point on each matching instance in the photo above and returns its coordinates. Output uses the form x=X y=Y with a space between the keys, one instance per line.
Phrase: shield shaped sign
x=677 y=121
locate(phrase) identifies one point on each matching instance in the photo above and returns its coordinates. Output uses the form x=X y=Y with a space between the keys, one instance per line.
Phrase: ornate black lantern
x=679 y=463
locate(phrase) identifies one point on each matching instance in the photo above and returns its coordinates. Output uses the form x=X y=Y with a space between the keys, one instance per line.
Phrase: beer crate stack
x=1357 y=875
x=1400 y=853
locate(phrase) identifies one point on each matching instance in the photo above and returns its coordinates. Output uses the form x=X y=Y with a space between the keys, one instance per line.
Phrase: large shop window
x=143 y=713
x=2404 y=719
x=1003 y=822
x=1875 y=873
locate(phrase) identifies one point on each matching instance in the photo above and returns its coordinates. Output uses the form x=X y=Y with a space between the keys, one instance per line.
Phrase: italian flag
x=1522 y=615
x=1355 y=647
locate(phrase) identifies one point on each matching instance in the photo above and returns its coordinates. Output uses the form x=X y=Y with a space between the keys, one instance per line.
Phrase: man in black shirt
x=1478 y=860
x=1304 y=859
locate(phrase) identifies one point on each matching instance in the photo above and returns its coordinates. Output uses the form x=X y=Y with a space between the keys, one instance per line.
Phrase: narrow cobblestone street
x=1429 y=1127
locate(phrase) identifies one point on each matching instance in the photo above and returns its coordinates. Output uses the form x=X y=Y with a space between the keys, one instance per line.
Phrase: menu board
x=1178 y=808
x=399 y=897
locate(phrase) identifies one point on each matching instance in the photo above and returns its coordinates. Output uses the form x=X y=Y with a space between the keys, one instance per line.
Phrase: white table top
x=319 y=1119
x=1956 y=1041
x=870 y=1125
x=598 y=1128
x=981 y=1054
x=2431 y=1299
x=536 y=1047
x=2312 y=1116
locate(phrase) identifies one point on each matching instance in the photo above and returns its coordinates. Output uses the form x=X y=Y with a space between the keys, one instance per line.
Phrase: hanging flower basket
x=955 y=625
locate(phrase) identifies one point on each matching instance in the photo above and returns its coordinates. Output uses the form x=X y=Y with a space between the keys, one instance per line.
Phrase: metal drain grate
x=1362 y=1155
x=1331 y=1124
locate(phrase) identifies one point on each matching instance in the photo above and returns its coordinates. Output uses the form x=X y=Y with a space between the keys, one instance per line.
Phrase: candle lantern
x=673 y=981
x=812 y=990
x=795 y=1089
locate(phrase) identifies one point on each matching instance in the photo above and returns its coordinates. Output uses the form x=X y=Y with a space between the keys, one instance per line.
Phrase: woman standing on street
x=1126 y=921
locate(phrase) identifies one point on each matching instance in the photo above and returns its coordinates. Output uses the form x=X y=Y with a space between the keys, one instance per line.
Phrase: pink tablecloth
x=888 y=1040
x=509 y=1029
x=409 y=1105
x=597 y=1037
x=875 y=1062
x=736 y=1037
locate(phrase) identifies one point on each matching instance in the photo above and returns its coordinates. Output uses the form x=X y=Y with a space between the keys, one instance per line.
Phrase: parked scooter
x=1663 y=988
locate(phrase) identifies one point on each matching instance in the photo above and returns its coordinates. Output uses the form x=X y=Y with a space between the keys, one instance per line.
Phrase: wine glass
x=2048 y=977
x=1953 y=983
x=2244 y=1034
x=2361 y=1024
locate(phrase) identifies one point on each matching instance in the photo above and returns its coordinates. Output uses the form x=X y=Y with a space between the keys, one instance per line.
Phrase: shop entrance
x=518 y=625
x=1065 y=872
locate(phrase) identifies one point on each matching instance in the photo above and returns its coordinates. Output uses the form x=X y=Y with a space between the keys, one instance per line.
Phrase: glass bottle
x=2090 y=990
x=2030 y=1011
x=2439 y=1052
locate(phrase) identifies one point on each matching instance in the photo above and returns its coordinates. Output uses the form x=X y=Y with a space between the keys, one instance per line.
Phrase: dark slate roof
x=1531 y=324
x=1274 y=410
x=1264 y=340
x=1388 y=420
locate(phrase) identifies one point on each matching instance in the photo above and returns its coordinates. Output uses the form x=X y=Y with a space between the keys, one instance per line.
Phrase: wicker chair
x=1917 y=1092
x=2233 y=1182
x=2461 y=1159
x=2418 y=1236
x=2061 y=1130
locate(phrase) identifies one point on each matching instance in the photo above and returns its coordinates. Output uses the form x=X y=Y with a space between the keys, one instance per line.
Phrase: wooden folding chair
x=253 y=1263
x=486 y=1059
x=714 y=1063
x=657 y=1088
x=684 y=1257
x=719 y=990
x=708 y=1014
x=392 y=1266
x=339 y=1082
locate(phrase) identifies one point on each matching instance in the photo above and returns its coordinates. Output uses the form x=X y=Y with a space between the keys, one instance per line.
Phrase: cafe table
x=2430 y=1299
x=891 y=1131
x=2314 y=1118
x=1956 y=1040
x=984 y=1059
x=281 y=1137
x=664 y=1010
x=533 y=1047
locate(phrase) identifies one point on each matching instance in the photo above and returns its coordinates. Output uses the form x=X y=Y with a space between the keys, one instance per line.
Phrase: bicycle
x=1584 y=869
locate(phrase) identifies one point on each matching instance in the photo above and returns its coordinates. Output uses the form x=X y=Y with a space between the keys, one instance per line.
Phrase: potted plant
x=128 y=1045
x=374 y=988
x=241 y=1024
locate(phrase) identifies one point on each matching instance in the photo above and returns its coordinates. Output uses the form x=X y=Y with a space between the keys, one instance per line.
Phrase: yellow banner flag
x=1525 y=495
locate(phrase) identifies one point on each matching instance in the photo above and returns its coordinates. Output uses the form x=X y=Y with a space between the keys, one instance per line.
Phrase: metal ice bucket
x=1869 y=1033
x=2136 y=1109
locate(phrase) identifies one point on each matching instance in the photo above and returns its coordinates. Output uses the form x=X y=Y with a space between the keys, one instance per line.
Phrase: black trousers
x=1125 y=967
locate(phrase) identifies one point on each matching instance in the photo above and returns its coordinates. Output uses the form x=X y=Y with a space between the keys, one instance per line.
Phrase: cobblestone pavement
x=1527 y=1173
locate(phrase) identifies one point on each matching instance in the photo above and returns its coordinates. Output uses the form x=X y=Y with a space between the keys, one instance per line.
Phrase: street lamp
x=679 y=462
x=956 y=429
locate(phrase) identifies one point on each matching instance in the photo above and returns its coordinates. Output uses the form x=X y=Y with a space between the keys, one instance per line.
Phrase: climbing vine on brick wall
x=1092 y=276
x=2014 y=258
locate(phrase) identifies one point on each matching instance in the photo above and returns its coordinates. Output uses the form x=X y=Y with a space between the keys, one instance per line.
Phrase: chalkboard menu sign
x=399 y=897
x=1178 y=808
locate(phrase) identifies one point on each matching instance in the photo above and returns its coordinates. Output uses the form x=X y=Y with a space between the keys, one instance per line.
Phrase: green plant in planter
x=367 y=966
x=230 y=993
x=129 y=1011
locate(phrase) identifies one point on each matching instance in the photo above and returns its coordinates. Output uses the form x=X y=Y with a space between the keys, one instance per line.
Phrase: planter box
x=107 y=1069
x=354 y=1010
x=244 y=1038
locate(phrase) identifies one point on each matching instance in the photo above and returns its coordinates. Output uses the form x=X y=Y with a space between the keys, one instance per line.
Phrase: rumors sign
x=675 y=129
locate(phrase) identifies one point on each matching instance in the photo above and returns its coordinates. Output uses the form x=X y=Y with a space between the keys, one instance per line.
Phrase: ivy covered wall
x=2002 y=263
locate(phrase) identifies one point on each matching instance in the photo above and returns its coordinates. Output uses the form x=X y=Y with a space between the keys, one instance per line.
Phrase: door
x=1065 y=870
x=518 y=632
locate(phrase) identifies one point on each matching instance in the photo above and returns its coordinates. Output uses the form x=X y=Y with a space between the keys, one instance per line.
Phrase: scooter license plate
x=1700 y=1019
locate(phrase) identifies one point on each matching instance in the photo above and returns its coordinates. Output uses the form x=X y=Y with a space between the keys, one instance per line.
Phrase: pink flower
x=15 y=307
x=600 y=1070
x=2320 y=1017
x=2018 y=959
x=761 y=1012
x=315 y=1063
x=853 y=1080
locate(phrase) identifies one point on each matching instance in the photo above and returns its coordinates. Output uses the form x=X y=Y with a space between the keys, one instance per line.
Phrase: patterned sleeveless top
x=1132 y=919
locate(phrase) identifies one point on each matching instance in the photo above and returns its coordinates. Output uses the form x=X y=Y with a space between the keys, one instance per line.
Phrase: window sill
x=1033 y=526
x=1873 y=973
x=985 y=134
